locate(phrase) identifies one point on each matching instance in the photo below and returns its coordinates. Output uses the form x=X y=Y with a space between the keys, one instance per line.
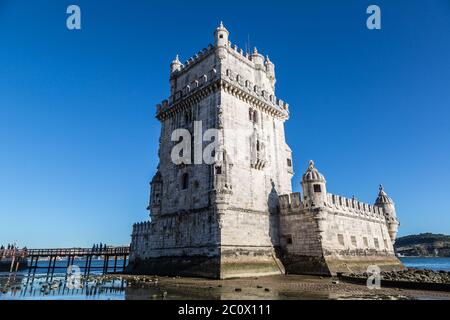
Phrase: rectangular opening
x=341 y=239
x=353 y=238
x=317 y=188
x=375 y=241
x=366 y=242
x=288 y=239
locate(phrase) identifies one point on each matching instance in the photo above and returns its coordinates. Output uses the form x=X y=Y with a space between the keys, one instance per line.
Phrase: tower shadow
x=274 y=211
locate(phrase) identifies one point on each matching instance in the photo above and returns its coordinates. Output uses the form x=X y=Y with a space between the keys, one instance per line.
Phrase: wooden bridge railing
x=24 y=253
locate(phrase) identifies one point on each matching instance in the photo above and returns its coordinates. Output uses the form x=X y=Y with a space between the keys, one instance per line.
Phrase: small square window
x=289 y=239
x=289 y=162
x=317 y=188
x=218 y=170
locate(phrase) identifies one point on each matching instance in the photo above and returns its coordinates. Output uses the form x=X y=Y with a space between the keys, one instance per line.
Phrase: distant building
x=238 y=216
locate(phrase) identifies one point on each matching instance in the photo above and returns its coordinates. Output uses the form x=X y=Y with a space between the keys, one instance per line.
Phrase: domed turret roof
x=312 y=174
x=221 y=27
x=176 y=60
x=383 y=198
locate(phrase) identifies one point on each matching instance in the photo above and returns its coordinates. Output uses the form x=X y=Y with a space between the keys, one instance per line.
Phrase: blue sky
x=78 y=137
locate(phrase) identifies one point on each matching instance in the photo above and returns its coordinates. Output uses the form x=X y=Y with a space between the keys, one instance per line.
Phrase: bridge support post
x=106 y=264
x=12 y=264
x=86 y=265
x=49 y=265
x=124 y=263
x=30 y=266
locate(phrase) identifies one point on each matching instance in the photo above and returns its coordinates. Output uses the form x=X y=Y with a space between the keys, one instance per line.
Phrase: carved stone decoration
x=219 y=117
x=257 y=151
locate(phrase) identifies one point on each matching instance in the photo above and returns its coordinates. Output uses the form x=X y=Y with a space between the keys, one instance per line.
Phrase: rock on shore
x=411 y=275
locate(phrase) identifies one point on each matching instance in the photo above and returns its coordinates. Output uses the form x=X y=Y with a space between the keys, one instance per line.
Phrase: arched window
x=184 y=181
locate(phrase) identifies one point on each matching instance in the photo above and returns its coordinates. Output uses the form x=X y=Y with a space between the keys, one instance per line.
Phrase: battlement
x=193 y=60
x=231 y=48
x=141 y=227
x=290 y=201
x=354 y=205
x=293 y=202
x=250 y=87
x=232 y=78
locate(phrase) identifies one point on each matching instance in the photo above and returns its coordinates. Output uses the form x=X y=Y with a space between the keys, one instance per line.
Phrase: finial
x=221 y=24
x=255 y=50
x=381 y=188
x=311 y=164
x=176 y=60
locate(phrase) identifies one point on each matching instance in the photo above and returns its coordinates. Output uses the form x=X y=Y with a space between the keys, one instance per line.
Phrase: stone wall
x=343 y=235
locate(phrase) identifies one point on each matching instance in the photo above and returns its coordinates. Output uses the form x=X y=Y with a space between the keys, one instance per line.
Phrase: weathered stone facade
x=223 y=219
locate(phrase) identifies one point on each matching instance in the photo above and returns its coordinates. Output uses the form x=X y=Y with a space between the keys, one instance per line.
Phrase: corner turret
x=270 y=70
x=258 y=59
x=221 y=36
x=156 y=187
x=383 y=201
x=175 y=65
x=314 y=187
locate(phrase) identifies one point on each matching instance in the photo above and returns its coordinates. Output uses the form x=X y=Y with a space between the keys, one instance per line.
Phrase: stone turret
x=156 y=187
x=258 y=59
x=385 y=202
x=270 y=70
x=314 y=187
x=175 y=65
x=221 y=36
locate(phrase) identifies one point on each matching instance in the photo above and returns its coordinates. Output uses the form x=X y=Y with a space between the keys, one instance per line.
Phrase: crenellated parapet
x=141 y=228
x=231 y=83
x=193 y=60
x=353 y=205
x=292 y=203
x=255 y=60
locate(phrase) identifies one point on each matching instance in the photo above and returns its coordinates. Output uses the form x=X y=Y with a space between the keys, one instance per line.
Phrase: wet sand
x=272 y=287
x=130 y=287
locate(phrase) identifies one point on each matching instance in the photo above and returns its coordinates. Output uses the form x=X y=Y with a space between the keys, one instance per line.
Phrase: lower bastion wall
x=342 y=235
x=235 y=243
x=177 y=244
x=247 y=243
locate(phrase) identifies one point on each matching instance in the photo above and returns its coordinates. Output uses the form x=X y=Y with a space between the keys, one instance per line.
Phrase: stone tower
x=217 y=219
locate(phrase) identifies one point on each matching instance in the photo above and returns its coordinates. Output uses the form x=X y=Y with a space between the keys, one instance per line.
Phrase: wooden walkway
x=32 y=256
